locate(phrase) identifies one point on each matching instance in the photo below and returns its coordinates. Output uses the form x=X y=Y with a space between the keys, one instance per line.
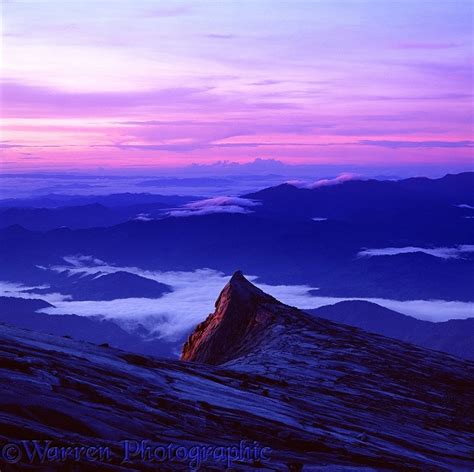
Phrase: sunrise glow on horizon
x=117 y=84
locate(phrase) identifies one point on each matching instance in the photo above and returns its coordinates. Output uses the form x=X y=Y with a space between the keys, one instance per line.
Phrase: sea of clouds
x=193 y=297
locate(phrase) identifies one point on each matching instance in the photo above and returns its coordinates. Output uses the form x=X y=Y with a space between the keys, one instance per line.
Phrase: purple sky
x=118 y=84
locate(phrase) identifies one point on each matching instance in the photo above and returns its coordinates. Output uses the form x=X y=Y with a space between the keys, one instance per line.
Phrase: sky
x=120 y=84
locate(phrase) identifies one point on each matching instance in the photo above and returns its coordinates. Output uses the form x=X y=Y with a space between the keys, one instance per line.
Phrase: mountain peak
x=233 y=329
x=238 y=277
x=239 y=289
x=239 y=282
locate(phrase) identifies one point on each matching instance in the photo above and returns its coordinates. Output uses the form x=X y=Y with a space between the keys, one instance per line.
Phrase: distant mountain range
x=111 y=286
x=374 y=201
x=111 y=200
x=279 y=240
x=74 y=212
x=454 y=336
x=318 y=394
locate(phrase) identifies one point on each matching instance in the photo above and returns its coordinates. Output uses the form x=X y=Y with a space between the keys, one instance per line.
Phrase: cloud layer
x=341 y=178
x=209 y=206
x=338 y=180
x=193 y=297
x=457 y=252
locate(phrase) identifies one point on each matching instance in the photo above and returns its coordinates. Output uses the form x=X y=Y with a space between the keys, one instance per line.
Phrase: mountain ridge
x=454 y=336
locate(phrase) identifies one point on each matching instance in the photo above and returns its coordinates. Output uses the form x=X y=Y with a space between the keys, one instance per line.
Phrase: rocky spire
x=235 y=326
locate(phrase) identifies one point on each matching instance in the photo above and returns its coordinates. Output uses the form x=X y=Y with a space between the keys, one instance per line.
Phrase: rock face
x=235 y=327
x=322 y=396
